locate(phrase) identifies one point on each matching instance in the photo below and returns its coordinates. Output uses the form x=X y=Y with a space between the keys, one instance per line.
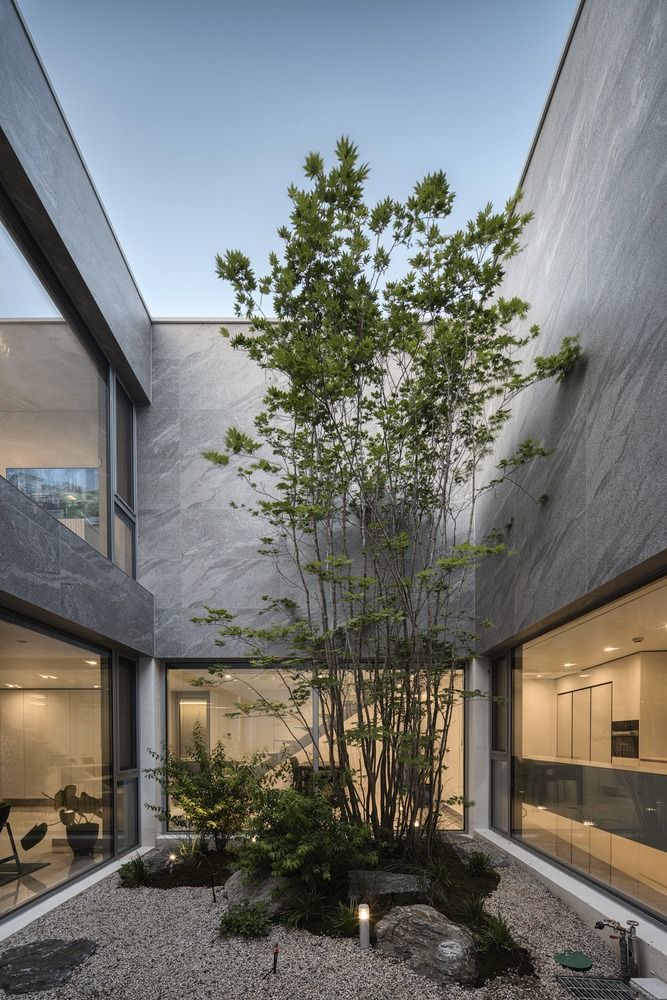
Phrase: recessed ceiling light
x=95 y=685
x=91 y=663
x=569 y=664
x=539 y=675
x=45 y=676
x=610 y=649
x=584 y=675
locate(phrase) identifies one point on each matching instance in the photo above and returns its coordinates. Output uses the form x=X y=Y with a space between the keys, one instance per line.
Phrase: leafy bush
x=215 y=795
x=495 y=935
x=301 y=836
x=479 y=863
x=246 y=920
x=133 y=873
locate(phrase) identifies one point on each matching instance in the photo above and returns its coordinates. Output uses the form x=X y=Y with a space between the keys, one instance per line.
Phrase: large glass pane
x=127 y=817
x=53 y=403
x=127 y=714
x=123 y=543
x=499 y=704
x=236 y=708
x=590 y=747
x=55 y=776
x=124 y=448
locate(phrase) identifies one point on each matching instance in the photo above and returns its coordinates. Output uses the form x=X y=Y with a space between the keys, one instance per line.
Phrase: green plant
x=246 y=920
x=393 y=360
x=76 y=809
x=191 y=851
x=301 y=836
x=343 y=921
x=134 y=872
x=215 y=795
x=472 y=911
x=495 y=935
x=479 y=863
x=303 y=905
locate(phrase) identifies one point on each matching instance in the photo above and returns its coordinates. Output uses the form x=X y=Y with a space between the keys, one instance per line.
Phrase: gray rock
x=429 y=943
x=43 y=965
x=270 y=890
x=374 y=883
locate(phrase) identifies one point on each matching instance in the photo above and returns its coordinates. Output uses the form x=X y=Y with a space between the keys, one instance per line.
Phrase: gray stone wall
x=42 y=170
x=193 y=548
x=595 y=263
x=48 y=572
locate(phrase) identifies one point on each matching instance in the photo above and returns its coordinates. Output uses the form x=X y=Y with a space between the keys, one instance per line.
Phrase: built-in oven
x=625 y=738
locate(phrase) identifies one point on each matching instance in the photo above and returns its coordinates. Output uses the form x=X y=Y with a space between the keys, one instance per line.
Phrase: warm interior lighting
x=228 y=677
x=91 y=663
x=569 y=664
x=610 y=649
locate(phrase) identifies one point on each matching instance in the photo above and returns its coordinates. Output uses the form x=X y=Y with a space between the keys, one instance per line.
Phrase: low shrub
x=216 y=795
x=246 y=920
x=133 y=873
x=300 y=836
x=495 y=935
x=343 y=921
x=304 y=905
x=479 y=863
x=472 y=911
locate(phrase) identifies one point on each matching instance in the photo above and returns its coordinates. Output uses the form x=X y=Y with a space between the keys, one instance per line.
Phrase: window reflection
x=590 y=745
x=53 y=431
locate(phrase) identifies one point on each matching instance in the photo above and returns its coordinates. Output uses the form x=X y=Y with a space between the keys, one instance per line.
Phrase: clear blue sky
x=194 y=115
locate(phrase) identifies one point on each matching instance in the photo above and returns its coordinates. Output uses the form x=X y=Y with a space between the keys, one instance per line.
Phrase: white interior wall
x=49 y=739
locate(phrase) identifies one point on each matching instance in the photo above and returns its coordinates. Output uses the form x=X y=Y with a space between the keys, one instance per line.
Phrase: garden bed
x=156 y=945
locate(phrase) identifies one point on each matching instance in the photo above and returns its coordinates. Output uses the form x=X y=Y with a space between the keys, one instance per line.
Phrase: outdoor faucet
x=627 y=945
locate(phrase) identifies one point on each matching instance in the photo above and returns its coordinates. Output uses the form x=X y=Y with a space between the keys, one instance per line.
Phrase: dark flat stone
x=42 y=965
x=380 y=883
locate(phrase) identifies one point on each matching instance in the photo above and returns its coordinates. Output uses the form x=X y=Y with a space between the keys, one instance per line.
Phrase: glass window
x=234 y=707
x=123 y=541
x=499 y=704
x=124 y=448
x=55 y=773
x=53 y=397
x=590 y=745
x=127 y=714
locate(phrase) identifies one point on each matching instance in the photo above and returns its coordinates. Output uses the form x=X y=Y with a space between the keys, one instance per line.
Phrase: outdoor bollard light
x=364 y=925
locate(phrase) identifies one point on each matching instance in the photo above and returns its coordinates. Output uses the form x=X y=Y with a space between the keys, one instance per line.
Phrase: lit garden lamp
x=172 y=859
x=364 y=926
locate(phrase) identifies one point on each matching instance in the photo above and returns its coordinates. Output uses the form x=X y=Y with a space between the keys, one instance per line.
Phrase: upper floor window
x=53 y=405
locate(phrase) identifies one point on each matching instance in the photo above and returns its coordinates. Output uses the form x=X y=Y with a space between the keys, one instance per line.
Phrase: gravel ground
x=163 y=944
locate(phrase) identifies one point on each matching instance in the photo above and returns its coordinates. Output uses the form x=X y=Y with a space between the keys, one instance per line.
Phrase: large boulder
x=429 y=943
x=269 y=890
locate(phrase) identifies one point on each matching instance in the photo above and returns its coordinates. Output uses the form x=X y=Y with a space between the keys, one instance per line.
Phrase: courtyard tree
x=392 y=365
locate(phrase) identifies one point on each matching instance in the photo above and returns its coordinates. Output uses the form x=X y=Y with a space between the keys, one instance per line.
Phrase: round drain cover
x=574 y=960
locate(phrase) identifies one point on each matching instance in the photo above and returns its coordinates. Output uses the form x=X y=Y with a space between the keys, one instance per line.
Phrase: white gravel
x=163 y=944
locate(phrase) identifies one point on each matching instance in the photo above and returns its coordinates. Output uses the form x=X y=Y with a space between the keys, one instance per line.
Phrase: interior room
x=53 y=417
x=234 y=706
x=54 y=770
x=590 y=745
